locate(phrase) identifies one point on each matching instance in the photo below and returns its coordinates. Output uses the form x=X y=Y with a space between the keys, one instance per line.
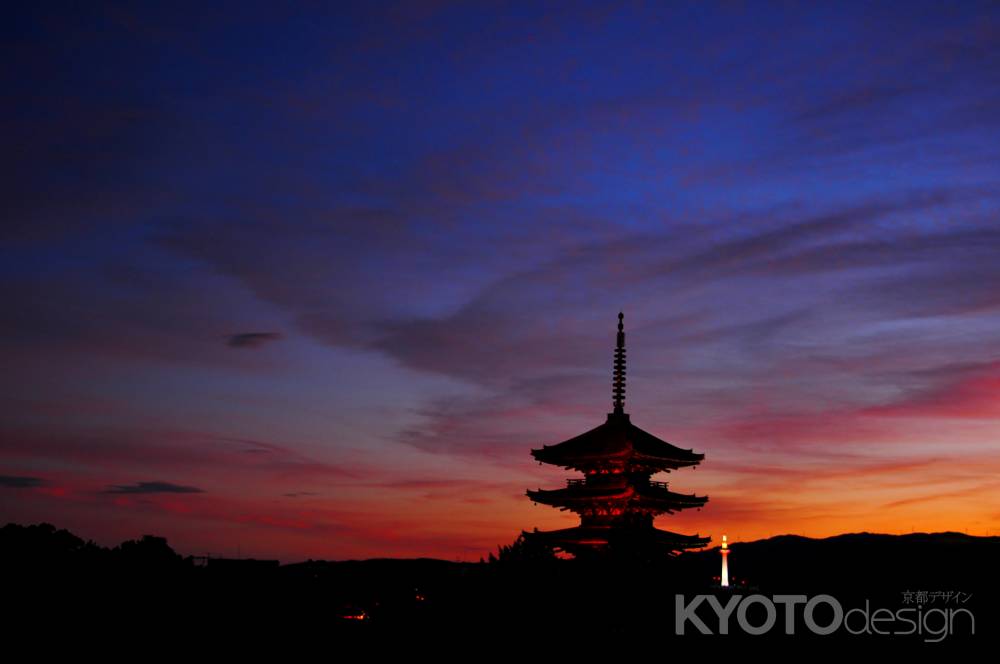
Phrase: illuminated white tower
x=725 y=563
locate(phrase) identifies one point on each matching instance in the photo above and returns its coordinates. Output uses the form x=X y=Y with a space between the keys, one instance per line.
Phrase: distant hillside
x=146 y=585
x=860 y=561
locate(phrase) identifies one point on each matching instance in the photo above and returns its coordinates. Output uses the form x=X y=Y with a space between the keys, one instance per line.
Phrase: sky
x=312 y=281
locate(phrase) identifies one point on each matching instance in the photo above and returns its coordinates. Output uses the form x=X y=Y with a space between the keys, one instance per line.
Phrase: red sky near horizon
x=314 y=285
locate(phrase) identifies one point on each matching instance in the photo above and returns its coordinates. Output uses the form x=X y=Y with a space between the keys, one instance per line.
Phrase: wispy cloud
x=20 y=482
x=152 y=487
x=251 y=339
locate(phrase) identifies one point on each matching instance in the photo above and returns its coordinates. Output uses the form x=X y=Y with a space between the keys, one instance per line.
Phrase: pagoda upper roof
x=617 y=439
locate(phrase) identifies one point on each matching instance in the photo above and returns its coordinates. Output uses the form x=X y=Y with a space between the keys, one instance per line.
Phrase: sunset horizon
x=151 y=499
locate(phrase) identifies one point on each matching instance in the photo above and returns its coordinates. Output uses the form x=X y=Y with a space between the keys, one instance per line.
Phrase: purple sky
x=313 y=283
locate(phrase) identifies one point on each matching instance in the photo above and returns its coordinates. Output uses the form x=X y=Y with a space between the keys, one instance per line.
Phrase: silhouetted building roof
x=231 y=566
x=600 y=536
x=650 y=495
x=620 y=443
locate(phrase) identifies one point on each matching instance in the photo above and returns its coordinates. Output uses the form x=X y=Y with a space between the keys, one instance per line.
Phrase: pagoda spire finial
x=618 y=380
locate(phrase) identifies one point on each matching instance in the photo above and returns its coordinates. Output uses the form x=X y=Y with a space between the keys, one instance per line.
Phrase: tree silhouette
x=522 y=550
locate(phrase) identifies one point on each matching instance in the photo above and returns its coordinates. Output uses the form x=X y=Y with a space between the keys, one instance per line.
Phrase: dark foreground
x=929 y=591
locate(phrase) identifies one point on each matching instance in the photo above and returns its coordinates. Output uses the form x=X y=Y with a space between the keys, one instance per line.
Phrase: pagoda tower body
x=616 y=499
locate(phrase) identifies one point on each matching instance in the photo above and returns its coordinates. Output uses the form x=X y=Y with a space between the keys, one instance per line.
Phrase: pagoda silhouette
x=616 y=500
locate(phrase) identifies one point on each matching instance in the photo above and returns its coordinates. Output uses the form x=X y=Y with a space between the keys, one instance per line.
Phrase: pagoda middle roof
x=586 y=494
x=616 y=438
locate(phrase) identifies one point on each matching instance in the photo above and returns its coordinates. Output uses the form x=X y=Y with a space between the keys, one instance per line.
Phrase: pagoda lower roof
x=602 y=536
x=616 y=441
